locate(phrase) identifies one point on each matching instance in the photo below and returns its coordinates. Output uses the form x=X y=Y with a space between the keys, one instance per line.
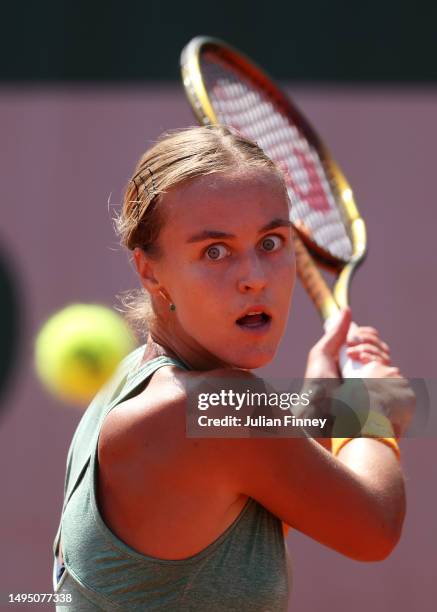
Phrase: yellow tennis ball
x=78 y=349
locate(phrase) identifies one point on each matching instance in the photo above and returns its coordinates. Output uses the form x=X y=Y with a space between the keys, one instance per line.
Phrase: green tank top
x=246 y=569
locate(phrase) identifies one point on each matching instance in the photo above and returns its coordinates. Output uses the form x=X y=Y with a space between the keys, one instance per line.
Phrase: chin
x=253 y=360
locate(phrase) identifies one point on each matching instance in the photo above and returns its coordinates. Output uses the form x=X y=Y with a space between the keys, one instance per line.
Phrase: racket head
x=225 y=87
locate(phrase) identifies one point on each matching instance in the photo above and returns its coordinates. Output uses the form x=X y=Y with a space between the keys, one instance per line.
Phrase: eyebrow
x=214 y=234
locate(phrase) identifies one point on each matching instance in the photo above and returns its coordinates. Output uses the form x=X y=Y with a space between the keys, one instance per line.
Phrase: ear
x=146 y=270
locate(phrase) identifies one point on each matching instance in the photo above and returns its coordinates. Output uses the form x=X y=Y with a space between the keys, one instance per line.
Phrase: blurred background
x=85 y=88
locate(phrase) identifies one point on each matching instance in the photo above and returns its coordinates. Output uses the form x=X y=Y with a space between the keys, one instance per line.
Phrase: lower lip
x=256 y=330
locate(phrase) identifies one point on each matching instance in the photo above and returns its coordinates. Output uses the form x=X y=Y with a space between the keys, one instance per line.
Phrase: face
x=228 y=265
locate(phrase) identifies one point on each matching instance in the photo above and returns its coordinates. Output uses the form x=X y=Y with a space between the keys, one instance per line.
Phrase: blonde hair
x=176 y=157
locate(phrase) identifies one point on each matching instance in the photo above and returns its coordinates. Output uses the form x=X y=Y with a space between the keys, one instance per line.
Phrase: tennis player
x=155 y=520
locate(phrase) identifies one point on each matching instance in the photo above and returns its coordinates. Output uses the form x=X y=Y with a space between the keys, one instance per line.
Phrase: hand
x=394 y=398
x=364 y=345
x=323 y=363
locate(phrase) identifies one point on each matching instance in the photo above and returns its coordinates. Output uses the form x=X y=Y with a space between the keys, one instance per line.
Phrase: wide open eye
x=216 y=252
x=271 y=243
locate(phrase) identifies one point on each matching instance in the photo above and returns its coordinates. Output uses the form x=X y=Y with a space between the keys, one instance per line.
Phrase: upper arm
x=354 y=504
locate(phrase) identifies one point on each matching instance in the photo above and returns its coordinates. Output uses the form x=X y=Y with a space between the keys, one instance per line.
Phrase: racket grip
x=350 y=368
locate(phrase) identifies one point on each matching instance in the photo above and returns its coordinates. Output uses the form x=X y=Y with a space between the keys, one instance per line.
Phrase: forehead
x=225 y=201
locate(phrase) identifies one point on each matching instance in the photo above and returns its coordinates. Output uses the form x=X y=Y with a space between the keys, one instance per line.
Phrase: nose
x=252 y=277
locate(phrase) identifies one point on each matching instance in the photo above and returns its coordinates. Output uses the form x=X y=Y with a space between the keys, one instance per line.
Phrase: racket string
x=245 y=107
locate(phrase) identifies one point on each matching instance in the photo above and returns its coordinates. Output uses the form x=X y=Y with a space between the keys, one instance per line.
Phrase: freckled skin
x=211 y=294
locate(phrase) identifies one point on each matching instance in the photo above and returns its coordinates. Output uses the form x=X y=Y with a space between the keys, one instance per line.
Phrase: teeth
x=254 y=312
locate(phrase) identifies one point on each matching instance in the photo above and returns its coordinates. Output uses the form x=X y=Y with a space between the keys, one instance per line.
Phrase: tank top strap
x=140 y=375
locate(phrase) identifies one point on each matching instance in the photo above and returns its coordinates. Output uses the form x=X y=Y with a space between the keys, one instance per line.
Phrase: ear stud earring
x=172 y=306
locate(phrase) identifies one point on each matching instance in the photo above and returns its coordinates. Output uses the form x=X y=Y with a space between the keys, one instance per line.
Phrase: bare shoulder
x=150 y=430
x=157 y=416
x=154 y=413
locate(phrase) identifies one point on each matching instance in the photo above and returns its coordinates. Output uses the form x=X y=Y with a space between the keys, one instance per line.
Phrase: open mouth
x=254 y=320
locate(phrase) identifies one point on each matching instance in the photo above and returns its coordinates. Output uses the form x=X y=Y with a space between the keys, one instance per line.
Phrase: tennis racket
x=224 y=87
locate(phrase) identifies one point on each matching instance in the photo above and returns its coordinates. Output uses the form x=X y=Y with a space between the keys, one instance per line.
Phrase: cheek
x=284 y=275
x=197 y=289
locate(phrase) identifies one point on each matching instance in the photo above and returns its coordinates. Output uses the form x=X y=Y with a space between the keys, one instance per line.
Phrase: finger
x=370 y=334
x=359 y=332
x=366 y=356
x=369 y=348
x=336 y=334
x=369 y=339
x=366 y=329
x=394 y=373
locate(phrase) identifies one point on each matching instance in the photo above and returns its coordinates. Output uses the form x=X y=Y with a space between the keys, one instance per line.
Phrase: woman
x=155 y=520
